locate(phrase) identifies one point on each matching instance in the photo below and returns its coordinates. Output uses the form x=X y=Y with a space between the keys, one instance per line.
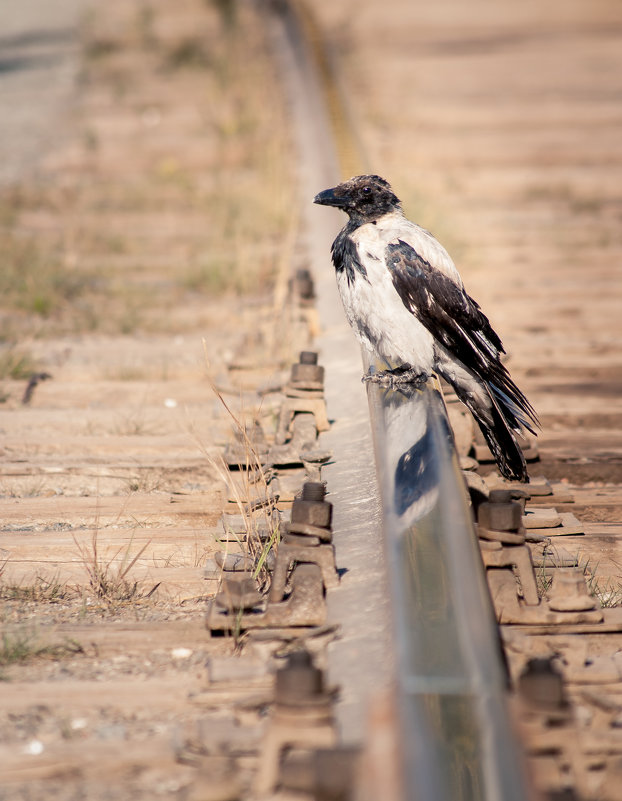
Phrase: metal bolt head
x=313 y=491
x=569 y=592
x=308 y=357
x=542 y=684
x=299 y=680
x=500 y=516
x=307 y=373
x=314 y=513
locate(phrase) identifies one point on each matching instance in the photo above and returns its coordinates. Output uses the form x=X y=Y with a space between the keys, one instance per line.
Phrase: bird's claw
x=396 y=378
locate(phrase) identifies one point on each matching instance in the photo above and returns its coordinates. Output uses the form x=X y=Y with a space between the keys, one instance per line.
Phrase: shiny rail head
x=416 y=441
x=449 y=674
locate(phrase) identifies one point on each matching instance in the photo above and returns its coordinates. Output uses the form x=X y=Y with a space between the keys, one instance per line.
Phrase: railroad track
x=417 y=643
x=434 y=520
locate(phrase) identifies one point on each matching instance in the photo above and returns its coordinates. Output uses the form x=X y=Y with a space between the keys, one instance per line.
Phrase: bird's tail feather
x=516 y=409
x=502 y=443
x=497 y=422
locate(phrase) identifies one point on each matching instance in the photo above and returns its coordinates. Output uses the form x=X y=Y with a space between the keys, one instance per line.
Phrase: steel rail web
x=456 y=740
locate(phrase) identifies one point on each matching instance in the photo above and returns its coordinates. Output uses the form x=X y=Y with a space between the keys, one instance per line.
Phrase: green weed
x=24 y=645
x=16 y=364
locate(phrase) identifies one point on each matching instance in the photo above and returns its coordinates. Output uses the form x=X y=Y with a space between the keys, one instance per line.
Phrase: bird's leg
x=411 y=376
x=398 y=376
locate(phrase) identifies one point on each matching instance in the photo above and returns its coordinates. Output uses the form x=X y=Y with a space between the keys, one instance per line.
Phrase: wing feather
x=456 y=321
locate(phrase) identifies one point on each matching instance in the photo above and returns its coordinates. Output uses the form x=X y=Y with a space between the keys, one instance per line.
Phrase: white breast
x=375 y=310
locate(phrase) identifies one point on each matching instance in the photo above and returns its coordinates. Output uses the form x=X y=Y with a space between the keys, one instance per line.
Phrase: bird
x=406 y=302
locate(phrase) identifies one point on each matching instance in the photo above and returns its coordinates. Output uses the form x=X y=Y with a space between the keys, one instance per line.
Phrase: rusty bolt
x=313 y=491
x=311 y=508
x=307 y=370
x=500 y=512
x=299 y=680
x=308 y=357
x=542 y=684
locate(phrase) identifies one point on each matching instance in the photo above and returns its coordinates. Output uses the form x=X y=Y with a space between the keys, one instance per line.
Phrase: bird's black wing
x=453 y=318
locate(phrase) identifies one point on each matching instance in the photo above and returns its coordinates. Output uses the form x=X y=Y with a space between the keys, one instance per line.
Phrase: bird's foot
x=397 y=377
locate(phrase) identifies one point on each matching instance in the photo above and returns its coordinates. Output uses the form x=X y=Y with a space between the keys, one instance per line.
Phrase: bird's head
x=364 y=198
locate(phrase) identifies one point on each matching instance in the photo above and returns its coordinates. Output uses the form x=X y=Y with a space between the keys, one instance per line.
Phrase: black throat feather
x=345 y=255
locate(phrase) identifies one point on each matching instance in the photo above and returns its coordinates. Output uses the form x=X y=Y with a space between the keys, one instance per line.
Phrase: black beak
x=329 y=198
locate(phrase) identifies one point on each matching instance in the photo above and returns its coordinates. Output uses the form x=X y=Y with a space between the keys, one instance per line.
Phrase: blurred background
x=145 y=163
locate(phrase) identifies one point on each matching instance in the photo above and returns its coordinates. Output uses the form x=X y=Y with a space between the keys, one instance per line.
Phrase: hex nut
x=308 y=357
x=500 y=516
x=298 y=680
x=542 y=684
x=314 y=513
x=307 y=373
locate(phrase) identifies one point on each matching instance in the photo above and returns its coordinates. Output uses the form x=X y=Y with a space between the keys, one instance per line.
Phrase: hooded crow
x=405 y=300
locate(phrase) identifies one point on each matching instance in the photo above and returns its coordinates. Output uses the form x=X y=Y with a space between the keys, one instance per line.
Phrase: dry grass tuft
x=24 y=645
x=109 y=577
x=254 y=545
x=40 y=591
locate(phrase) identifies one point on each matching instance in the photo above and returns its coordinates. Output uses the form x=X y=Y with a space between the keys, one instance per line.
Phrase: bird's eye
x=366 y=190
